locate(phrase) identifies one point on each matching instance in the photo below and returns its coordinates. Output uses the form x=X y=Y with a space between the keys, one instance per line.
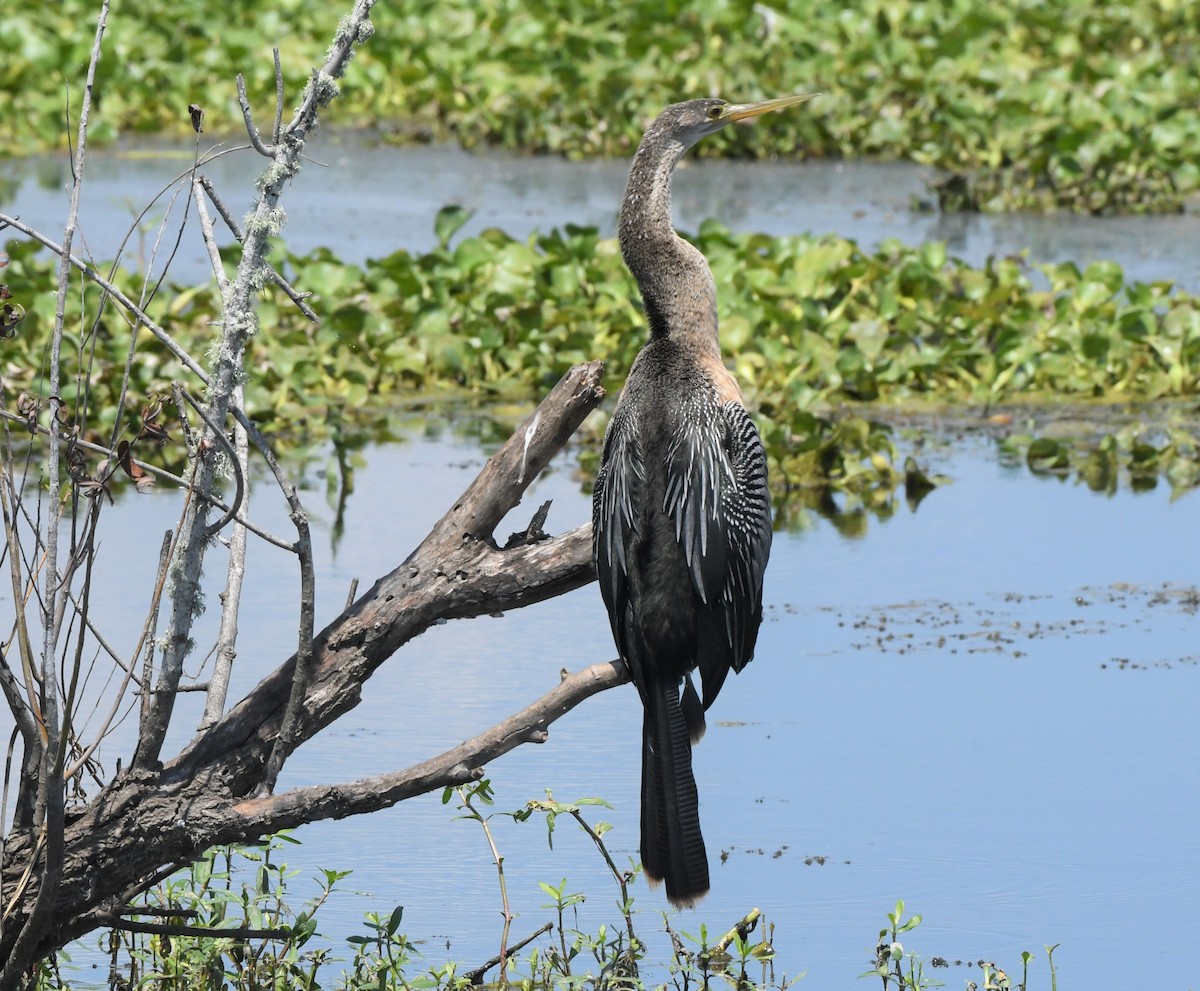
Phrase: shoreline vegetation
x=1081 y=105
x=831 y=340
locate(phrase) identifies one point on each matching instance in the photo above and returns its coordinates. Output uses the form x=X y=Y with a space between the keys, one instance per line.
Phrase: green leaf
x=394 y=920
x=449 y=221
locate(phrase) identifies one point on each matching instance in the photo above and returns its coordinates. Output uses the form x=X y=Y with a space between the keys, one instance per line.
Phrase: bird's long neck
x=675 y=281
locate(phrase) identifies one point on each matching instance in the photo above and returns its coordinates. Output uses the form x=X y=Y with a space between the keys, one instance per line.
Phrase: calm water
x=984 y=707
x=365 y=201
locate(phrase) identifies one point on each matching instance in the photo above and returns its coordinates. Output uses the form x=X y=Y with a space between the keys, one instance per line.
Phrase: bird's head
x=692 y=120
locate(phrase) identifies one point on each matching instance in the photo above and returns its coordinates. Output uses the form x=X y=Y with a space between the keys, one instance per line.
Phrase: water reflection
x=984 y=707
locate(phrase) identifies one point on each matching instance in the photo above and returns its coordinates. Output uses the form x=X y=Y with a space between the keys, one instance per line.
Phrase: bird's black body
x=681 y=513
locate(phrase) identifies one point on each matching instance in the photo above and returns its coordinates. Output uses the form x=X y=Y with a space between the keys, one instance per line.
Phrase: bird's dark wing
x=617 y=493
x=716 y=496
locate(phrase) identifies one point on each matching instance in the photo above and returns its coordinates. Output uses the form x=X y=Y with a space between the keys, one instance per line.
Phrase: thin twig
x=164 y=562
x=206 y=231
x=27 y=712
x=275 y=131
x=248 y=116
x=167 y=929
x=145 y=640
x=288 y=738
x=148 y=297
x=201 y=686
x=156 y=717
x=136 y=311
x=236 y=230
x=101 y=641
x=475 y=977
x=498 y=860
x=741 y=929
x=86 y=553
x=159 y=911
x=14 y=701
x=239 y=475
x=622 y=877
x=231 y=598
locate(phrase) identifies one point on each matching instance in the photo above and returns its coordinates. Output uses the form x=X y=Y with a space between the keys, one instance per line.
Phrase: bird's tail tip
x=686 y=898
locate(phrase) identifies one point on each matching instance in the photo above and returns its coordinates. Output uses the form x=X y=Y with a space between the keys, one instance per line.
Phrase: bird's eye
x=714 y=111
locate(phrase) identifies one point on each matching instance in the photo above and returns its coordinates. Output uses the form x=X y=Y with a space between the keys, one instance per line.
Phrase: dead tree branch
x=49 y=809
x=60 y=879
x=239 y=324
x=457 y=766
x=236 y=230
x=208 y=794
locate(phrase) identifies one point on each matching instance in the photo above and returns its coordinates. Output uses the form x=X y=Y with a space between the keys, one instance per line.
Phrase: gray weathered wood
x=146 y=821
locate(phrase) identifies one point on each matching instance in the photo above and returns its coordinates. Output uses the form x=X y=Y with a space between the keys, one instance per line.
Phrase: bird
x=681 y=514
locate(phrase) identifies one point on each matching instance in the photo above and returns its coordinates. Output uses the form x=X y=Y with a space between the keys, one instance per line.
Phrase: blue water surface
x=984 y=707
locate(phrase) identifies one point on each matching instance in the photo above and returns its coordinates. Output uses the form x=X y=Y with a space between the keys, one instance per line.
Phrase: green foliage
x=228 y=891
x=234 y=889
x=610 y=957
x=902 y=970
x=1088 y=105
x=890 y=955
x=811 y=325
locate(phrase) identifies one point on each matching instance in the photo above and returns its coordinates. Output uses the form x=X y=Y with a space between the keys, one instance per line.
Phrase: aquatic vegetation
x=824 y=334
x=1086 y=105
x=902 y=970
x=230 y=921
x=227 y=921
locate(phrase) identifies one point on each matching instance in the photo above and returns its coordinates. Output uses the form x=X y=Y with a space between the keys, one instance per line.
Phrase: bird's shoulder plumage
x=682 y=455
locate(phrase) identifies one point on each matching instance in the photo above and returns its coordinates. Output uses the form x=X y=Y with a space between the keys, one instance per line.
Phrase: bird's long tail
x=672 y=846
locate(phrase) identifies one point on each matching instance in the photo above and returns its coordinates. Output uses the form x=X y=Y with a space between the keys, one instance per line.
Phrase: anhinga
x=681 y=513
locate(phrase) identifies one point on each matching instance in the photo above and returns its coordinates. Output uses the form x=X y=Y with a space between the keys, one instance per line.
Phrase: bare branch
x=136 y=311
x=278 y=97
x=741 y=929
x=236 y=229
x=454 y=767
x=145 y=641
x=475 y=977
x=248 y=117
x=206 y=231
x=160 y=911
x=180 y=929
x=239 y=472
x=288 y=738
x=231 y=598
x=22 y=717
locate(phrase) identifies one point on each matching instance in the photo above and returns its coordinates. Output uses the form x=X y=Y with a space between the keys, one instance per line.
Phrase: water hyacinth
x=1083 y=105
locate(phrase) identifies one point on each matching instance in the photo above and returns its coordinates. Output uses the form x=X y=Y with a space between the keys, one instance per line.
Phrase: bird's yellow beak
x=744 y=111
